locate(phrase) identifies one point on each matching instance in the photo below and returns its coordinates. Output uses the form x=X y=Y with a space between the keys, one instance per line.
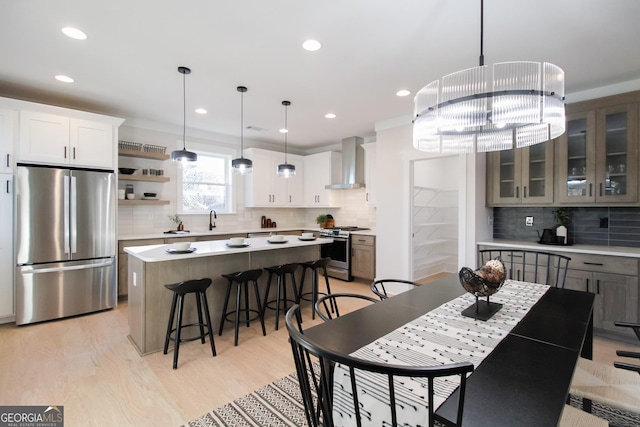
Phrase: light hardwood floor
x=88 y=365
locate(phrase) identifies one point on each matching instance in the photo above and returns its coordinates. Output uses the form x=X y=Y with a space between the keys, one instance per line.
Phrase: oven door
x=338 y=251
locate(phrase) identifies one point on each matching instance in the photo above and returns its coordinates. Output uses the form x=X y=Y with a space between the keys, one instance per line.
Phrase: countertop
x=158 y=253
x=583 y=249
x=279 y=230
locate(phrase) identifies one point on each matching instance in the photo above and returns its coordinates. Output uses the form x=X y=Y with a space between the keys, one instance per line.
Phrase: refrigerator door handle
x=65 y=201
x=74 y=216
x=31 y=270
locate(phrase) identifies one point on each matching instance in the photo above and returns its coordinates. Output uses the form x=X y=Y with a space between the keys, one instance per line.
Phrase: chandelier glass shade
x=480 y=110
x=242 y=166
x=181 y=157
x=286 y=170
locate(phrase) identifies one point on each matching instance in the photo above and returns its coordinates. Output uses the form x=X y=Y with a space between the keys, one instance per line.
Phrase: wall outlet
x=528 y=221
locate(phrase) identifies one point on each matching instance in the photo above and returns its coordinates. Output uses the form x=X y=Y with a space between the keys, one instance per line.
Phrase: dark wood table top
x=523 y=382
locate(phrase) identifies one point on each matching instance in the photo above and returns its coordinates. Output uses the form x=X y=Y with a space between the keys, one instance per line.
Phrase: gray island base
x=151 y=267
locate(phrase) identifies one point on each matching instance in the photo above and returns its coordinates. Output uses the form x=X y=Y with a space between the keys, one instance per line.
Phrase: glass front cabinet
x=522 y=176
x=598 y=156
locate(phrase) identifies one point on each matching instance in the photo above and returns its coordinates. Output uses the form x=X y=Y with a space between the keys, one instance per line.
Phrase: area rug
x=278 y=404
x=615 y=416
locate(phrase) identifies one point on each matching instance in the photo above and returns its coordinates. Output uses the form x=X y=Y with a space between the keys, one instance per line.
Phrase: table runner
x=440 y=336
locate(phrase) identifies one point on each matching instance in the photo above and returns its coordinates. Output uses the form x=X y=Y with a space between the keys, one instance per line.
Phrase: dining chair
x=635 y=327
x=324 y=305
x=384 y=288
x=317 y=382
x=530 y=266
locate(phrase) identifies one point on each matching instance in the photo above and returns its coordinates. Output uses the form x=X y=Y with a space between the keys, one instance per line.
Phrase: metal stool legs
x=314 y=266
x=197 y=287
x=281 y=272
x=242 y=279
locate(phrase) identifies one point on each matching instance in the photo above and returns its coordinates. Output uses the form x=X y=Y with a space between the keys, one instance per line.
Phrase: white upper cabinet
x=370 y=177
x=264 y=187
x=56 y=139
x=6 y=140
x=320 y=170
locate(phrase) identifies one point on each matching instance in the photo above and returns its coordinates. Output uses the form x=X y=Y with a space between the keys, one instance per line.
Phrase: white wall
x=393 y=243
x=142 y=220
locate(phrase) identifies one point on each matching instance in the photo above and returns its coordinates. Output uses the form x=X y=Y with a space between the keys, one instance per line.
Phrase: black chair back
x=316 y=379
x=530 y=266
x=326 y=305
x=383 y=288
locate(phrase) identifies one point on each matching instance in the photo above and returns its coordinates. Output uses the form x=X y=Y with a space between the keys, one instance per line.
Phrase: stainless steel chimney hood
x=352 y=165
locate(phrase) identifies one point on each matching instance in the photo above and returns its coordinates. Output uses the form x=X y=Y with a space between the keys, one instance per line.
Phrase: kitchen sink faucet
x=212 y=224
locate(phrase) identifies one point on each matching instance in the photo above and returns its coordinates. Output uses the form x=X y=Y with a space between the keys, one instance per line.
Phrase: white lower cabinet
x=7 y=261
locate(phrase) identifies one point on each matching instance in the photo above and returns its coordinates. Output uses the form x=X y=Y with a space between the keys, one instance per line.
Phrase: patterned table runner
x=440 y=336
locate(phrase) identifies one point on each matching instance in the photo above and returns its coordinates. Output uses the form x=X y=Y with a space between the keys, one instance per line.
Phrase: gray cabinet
x=363 y=256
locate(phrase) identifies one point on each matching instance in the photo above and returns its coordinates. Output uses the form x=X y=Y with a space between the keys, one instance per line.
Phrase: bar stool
x=313 y=294
x=198 y=287
x=242 y=279
x=281 y=272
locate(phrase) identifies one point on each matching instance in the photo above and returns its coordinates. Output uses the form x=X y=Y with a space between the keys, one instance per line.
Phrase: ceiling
x=371 y=48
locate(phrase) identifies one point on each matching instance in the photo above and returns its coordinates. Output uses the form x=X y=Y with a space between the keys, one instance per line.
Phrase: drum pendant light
x=242 y=165
x=286 y=170
x=180 y=157
x=470 y=111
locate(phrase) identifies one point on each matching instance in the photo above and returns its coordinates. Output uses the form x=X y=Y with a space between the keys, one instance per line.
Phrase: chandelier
x=242 y=166
x=286 y=170
x=181 y=157
x=471 y=111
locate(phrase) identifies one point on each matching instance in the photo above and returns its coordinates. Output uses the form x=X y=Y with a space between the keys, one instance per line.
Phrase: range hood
x=352 y=165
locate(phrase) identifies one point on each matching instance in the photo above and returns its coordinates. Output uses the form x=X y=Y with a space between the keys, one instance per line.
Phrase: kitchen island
x=151 y=267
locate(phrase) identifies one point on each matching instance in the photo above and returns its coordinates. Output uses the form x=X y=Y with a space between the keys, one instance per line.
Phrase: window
x=207 y=185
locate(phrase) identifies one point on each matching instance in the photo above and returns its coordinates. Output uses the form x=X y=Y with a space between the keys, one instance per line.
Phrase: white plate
x=178 y=251
x=277 y=241
x=306 y=239
x=244 y=245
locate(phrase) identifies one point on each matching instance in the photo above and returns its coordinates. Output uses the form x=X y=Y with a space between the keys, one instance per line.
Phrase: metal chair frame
x=523 y=263
x=304 y=349
x=378 y=287
x=324 y=311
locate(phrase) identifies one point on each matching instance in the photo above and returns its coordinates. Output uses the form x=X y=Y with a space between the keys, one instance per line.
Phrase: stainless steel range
x=339 y=251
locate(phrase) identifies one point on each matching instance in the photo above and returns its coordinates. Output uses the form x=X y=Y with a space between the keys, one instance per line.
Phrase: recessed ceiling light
x=74 y=33
x=311 y=45
x=201 y=111
x=403 y=92
x=284 y=130
x=330 y=116
x=64 y=79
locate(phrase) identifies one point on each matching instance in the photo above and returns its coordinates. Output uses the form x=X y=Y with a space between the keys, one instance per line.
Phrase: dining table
x=525 y=378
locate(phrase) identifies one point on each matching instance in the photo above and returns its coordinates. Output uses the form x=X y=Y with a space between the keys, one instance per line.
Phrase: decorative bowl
x=481 y=286
x=126 y=171
x=181 y=246
x=150 y=194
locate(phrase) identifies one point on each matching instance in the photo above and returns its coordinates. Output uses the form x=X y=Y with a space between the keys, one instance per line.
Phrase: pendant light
x=242 y=165
x=463 y=114
x=180 y=157
x=286 y=170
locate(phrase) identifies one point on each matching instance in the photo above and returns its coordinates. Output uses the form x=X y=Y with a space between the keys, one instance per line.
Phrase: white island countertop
x=583 y=249
x=158 y=253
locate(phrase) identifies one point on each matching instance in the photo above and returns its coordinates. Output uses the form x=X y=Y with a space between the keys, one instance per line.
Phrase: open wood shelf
x=148 y=178
x=136 y=202
x=143 y=154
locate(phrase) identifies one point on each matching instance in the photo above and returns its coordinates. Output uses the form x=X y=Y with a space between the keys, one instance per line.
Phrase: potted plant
x=562 y=218
x=176 y=218
x=322 y=220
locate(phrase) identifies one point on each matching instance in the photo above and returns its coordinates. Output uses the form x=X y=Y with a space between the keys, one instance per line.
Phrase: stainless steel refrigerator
x=65 y=242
